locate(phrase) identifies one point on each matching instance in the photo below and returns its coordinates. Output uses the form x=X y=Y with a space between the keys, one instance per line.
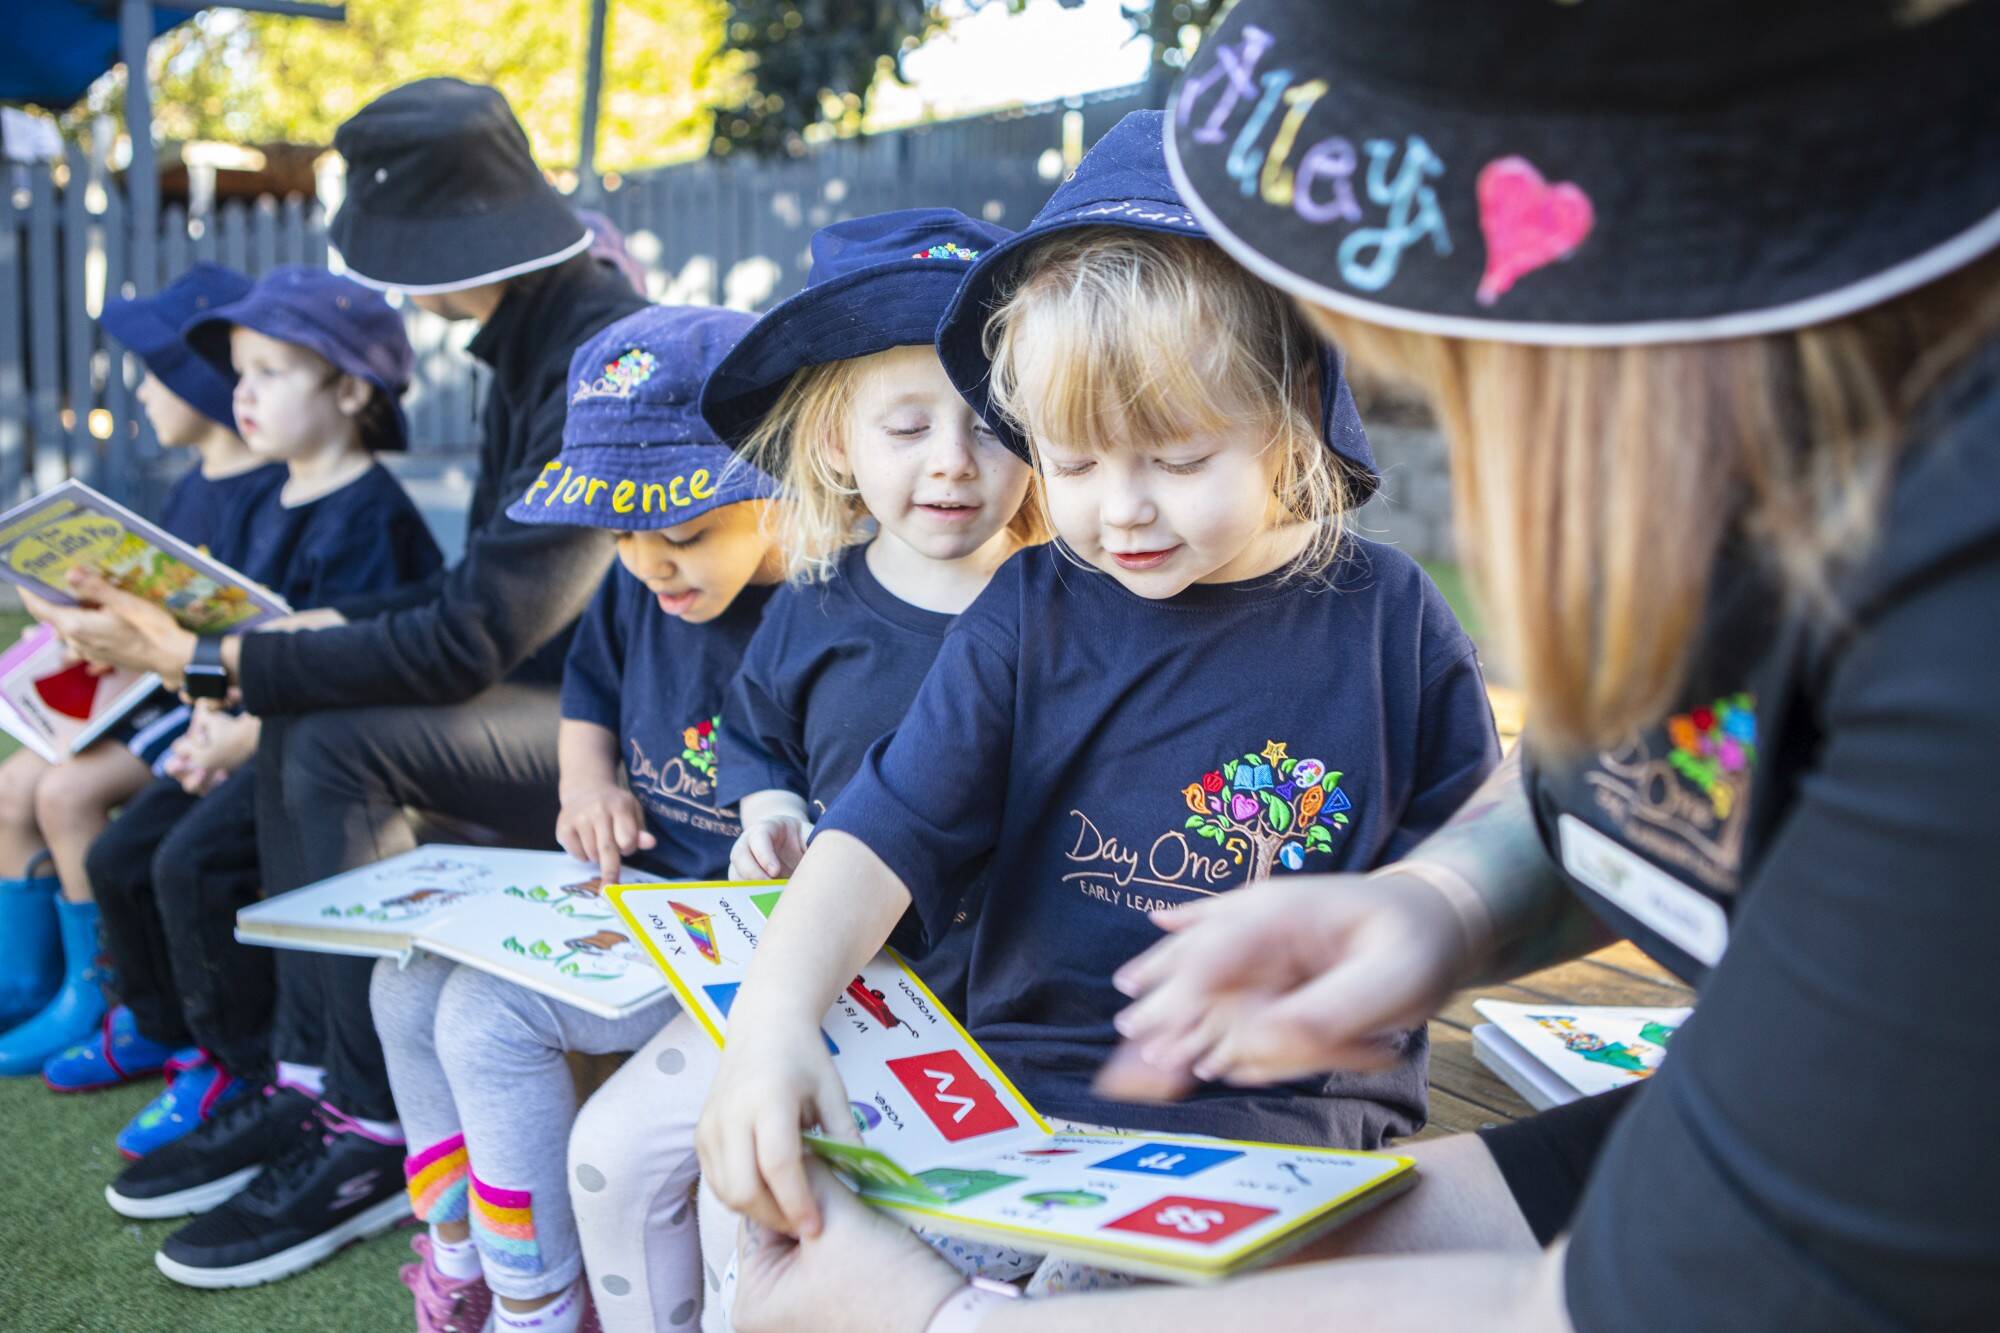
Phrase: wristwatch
x=206 y=677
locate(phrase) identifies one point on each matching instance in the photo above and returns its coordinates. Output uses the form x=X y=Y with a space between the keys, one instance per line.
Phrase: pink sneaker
x=444 y=1304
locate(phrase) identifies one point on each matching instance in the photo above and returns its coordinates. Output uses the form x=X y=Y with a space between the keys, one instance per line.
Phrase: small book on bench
x=952 y=1146
x=536 y=918
x=1554 y=1053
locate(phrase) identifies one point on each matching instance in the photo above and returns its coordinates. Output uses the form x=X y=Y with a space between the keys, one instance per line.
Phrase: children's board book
x=954 y=1147
x=535 y=918
x=1553 y=1054
x=73 y=526
x=55 y=706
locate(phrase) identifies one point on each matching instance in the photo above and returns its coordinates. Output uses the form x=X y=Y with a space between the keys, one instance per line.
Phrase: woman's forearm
x=1493 y=846
x=1448 y=1293
x=836 y=912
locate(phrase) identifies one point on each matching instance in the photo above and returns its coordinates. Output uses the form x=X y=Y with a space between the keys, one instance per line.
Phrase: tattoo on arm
x=1494 y=844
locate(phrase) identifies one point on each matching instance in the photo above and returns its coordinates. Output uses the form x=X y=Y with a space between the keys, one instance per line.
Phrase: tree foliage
x=814 y=61
x=258 y=78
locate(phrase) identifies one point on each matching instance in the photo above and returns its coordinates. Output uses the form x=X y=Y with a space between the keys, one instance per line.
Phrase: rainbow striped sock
x=503 y=1222
x=437 y=1178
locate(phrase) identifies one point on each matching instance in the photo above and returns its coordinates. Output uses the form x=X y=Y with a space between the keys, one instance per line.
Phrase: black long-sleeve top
x=508 y=607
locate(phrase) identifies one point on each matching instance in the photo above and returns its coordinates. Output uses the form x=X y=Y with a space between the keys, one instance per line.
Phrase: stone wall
x=1412 y=511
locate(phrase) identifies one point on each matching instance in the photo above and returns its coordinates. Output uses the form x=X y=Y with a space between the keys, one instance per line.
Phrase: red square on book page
x=960 y=1103
x=1183 y=1217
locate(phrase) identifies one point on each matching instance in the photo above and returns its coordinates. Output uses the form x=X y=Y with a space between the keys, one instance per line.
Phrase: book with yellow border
x=71 y=526
x=951 y=1144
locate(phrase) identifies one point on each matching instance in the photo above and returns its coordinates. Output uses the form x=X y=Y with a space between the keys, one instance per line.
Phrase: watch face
x=206 y=682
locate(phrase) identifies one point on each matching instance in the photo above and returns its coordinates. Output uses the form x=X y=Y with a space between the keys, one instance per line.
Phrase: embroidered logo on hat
x=620 y=377
x=949 y=250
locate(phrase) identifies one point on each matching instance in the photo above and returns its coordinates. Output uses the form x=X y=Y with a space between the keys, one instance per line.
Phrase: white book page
x=1593 y=1048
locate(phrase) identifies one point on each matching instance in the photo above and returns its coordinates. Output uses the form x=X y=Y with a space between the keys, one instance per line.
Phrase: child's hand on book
x=776 y=1080
x=603 y=824
x=864 y=1271
x=1281 y=980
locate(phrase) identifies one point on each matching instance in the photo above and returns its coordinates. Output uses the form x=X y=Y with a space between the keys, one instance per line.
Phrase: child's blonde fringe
x=1114 y=338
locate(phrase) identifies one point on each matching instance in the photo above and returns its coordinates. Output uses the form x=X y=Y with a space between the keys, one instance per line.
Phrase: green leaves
x=1318 y=839
x=1329 y=782
x=1276 y=812
x=1229 y=771
x=1211 y=829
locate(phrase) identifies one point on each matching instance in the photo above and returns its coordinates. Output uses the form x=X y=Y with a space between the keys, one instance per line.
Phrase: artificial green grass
x=67 y=1262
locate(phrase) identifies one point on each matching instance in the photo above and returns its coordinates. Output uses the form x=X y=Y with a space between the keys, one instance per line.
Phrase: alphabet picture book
x=536 y=918
x=952 y=1145
x=55 y=706
x=1553 y=1054
x=72 y=526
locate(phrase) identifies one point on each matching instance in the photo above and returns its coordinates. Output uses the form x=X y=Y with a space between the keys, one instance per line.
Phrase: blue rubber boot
x=78 y=1007
x=31 y=944
x=197 y=1087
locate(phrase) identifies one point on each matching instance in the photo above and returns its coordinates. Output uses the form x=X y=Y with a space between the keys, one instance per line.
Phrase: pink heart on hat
x=1527 y=221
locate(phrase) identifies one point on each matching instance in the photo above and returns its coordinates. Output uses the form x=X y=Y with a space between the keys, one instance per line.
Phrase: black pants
x=120 y=864
x=335 y=794
x=171 y=872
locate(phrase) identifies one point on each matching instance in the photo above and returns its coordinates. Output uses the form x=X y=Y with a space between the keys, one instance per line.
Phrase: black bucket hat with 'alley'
x=1595 y=173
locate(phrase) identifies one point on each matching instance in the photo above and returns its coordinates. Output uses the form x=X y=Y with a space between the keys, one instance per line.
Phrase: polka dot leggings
x=632 y=1173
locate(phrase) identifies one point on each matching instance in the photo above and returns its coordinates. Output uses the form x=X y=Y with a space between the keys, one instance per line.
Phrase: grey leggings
x=486 y=1101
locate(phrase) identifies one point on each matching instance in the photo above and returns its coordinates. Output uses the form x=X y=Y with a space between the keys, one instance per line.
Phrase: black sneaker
x=212 y=1162
x=333 y=1184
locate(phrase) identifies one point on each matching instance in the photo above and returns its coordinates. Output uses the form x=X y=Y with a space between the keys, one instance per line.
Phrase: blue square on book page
x=1167 y=1159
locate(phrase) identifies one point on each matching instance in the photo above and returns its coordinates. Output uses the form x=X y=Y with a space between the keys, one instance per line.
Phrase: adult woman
x=1725 y=438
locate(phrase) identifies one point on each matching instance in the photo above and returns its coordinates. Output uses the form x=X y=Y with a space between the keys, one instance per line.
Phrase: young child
x=1204 y=682
x=859 y=425
x=337 y=524
x=321 y=362
x=55 y=811
x=475 y=1062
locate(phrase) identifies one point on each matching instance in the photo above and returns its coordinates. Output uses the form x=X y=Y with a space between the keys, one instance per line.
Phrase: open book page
x=55 y=706
x=565 y=941
x=953 y=1144
x=1593 y=1049
x=72 y=526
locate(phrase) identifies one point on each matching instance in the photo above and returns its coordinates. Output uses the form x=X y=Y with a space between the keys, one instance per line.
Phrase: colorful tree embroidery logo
x=698 y=751
x=1715 y=748
x=949 y=250
x=1273 y=807
x=620 y=377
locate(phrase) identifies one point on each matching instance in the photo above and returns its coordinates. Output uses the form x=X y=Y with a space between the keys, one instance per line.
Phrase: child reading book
x=322 y=362
x=54 y=811
x=1205 y=681
x=859 y=424
x=476 y=1062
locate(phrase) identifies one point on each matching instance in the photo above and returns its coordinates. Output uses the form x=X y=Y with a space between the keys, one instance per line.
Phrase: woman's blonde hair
x=1594 y=488
x=796 y=443
x=1111 y=337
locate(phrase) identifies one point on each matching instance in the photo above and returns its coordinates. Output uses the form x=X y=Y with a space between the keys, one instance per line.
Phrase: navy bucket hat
x=876 y=282
x=351 y=326
x=1121 y=182
x=637 y=455
x=150 y=327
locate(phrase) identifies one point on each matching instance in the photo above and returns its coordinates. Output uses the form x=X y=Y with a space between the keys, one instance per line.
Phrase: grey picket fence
x=707 y=232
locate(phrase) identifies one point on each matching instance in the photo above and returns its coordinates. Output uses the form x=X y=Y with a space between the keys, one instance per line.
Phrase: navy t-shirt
x=1095 y=755
x=832 y=670
x=365 y=537
x=659 y=685
x=218 y=514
